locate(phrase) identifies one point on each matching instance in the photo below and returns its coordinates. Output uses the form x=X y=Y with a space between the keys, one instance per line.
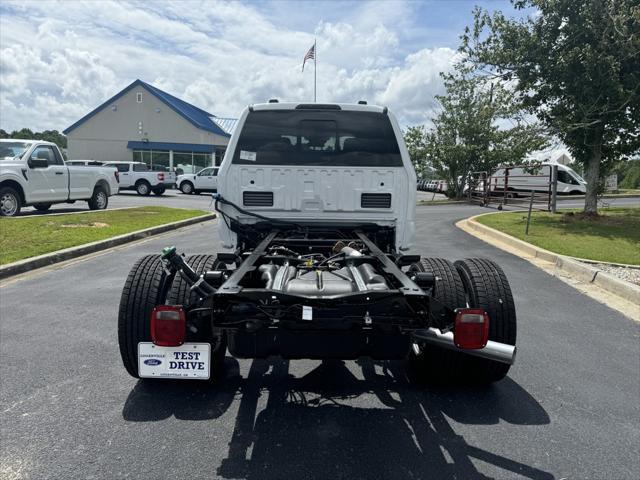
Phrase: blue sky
x=60 y=59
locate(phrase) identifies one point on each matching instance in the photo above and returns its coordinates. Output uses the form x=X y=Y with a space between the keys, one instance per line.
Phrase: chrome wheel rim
x=101 y=200
x=186 y=188
x=142 y=188
x=8 y=204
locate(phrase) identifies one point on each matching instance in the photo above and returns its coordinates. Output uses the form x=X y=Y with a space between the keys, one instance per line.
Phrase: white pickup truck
x=206 y=180
x=33 y=172
x=137 y=176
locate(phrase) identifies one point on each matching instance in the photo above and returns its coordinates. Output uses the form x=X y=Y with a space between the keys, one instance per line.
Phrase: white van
x=537 y=178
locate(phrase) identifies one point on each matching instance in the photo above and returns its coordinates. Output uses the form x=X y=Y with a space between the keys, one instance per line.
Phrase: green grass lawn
x=612 y=237
x=27 y=237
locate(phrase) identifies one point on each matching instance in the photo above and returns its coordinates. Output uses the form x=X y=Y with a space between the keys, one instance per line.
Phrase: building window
x=139 y=97
x=183 y=162
x=159 y=161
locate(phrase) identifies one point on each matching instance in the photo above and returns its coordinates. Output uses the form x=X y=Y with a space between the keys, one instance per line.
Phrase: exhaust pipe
x=496 y=351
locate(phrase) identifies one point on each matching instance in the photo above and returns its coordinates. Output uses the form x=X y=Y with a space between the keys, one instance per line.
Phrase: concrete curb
x=569 y=265
x=429 y=203
x=28 y=264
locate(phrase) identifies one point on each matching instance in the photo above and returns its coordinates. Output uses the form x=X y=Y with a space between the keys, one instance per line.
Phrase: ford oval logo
x=152 y=362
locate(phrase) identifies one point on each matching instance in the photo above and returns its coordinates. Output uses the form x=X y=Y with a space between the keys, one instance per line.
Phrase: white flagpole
x=315 y=69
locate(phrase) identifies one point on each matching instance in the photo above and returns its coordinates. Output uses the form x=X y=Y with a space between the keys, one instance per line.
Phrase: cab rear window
x=318 y=138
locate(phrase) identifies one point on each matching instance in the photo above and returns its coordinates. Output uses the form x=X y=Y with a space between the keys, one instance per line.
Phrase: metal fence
x=517 y=186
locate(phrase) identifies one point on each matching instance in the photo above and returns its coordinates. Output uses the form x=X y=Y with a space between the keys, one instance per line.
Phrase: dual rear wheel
x=148 y=285
x=476 y=283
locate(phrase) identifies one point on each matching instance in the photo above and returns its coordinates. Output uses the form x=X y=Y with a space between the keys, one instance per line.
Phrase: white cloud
x=59 y=60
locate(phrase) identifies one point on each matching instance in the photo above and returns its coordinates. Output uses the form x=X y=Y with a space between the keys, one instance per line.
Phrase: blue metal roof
x=194 y=115
x=176 y=147
x=227 y=124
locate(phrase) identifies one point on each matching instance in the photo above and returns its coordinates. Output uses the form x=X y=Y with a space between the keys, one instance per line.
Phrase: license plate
x=188 y=361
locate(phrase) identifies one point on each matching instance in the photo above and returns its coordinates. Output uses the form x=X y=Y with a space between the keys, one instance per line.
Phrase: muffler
x=499 y=352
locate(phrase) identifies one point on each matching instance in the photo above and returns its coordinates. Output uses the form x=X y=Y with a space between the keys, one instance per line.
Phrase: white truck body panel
x=322 y=194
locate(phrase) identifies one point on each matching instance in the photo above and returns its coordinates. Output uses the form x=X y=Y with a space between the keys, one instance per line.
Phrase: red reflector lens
x=471 y=330
x=168 y=325
x=161 y=177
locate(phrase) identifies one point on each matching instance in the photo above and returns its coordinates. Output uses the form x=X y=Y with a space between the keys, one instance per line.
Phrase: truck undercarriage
x=320 y=292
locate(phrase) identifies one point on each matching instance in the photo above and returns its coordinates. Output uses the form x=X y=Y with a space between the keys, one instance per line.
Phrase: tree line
x=570 y=71
x=47 y=135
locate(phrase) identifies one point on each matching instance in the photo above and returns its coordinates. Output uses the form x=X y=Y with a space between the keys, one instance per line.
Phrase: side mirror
x=37 y=163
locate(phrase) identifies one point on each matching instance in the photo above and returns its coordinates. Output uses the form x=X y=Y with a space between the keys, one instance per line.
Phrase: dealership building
x=145 y=124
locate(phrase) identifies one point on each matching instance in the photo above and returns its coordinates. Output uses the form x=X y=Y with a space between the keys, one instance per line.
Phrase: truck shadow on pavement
x=367 y=421
x=196 y=400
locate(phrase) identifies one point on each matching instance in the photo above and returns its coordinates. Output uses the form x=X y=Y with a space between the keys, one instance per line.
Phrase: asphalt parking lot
x=568 y=408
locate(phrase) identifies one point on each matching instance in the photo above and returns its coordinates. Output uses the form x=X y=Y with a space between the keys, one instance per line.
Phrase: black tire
x=42 y=207
x=10 y=202
x=99 y=200
x=145 y=287
x=186 y=188
x=487 y=288
x=143 y=188
x=159 y=191
x=180 y=294
x=511 y=194
x=436 y=364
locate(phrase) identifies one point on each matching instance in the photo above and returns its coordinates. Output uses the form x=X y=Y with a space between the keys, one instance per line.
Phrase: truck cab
x=317 y=164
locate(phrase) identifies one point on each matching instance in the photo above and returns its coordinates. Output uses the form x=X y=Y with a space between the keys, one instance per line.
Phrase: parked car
x=206 y=180
x=137 y=176
x=34 y=173
x=315 y=262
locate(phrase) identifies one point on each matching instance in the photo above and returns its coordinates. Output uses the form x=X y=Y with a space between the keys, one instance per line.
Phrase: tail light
x=471 y=329
x=117 y=174
x=168 y=325
x=161 y=177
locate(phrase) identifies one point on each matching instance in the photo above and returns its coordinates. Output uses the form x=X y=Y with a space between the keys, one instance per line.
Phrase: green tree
x=24 y=133
x=416 y=140
x=47 y=135
x=576 y=65
x=630 y=175
x=53 y=136
x=478 y=129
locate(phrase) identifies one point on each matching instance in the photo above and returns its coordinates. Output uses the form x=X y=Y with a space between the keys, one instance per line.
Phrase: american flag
x=311 y=55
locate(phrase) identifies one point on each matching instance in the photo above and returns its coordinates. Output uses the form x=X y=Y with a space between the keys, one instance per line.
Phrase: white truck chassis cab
x=317 y=213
